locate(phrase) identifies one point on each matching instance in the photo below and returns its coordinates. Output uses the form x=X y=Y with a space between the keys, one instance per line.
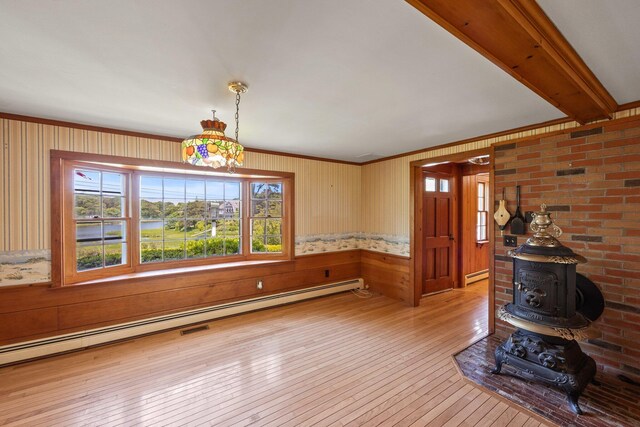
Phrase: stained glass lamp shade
x=212 y=147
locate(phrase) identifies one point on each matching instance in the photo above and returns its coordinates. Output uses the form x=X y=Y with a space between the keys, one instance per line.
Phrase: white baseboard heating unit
x=92 y=337
x=474 y=277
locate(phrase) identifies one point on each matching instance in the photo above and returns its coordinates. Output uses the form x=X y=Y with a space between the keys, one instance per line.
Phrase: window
x=120 y=216
x=483 y=212
x=100 y=221
x=430 y=184
x=266 y=217
x=444 y=185
x=187 y=218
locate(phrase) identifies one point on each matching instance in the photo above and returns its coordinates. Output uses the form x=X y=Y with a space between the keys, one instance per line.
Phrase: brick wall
x=590 y=179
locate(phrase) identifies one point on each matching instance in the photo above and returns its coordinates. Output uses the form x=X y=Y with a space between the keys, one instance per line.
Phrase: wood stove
x=552 y=308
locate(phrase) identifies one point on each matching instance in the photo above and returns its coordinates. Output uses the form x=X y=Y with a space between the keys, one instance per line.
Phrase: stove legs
x=557 y=362
x=573 y=402
x=499 y=354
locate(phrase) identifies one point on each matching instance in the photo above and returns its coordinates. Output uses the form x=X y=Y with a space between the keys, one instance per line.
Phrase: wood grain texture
x=387 y=274
x=417 y=212
x=474 y=256
x=517 y=36
x=53 y=311
x=338 y=360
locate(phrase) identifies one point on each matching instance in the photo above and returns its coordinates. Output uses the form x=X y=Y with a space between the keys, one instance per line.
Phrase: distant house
x=226 y=209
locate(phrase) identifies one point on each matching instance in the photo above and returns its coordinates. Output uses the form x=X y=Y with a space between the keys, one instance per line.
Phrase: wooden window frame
x=71 y=275
x=63 y=272
x=485 y=198
x=249 y=215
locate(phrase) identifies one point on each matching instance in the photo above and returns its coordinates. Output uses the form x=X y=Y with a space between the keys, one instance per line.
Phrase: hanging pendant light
x=211 y=147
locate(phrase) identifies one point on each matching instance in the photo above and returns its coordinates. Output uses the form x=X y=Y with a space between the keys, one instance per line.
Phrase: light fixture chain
x=237 y=113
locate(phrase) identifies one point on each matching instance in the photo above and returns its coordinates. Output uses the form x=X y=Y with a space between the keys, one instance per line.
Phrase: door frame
x=451 y=170
x=416 y=247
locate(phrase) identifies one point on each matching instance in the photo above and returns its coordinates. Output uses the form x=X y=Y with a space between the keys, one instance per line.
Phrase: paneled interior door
x=438 y=232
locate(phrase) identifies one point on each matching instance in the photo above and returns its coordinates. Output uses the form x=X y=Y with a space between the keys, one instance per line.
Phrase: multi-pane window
x=430 y=184
x=185 y=218
x=266 y=217
x=444 y=185
x=111 y=218
x=483 y=212
x=436 y=184
x=100 y=219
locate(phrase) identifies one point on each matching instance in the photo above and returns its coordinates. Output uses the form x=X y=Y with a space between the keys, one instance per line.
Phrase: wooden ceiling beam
x=518 y=36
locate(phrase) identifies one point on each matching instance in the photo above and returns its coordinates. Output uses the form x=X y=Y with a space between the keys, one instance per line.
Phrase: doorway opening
x=452 y=224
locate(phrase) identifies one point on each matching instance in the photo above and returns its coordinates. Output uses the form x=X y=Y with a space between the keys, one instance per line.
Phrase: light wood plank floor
x=337 y=360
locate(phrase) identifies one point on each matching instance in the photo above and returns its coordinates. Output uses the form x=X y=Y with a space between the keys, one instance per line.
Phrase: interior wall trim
x=74 y=125
x=541 y=125
x=629 y=106
x=81 y=126
x=504 y=133
x=387 y=254
x=596 y=124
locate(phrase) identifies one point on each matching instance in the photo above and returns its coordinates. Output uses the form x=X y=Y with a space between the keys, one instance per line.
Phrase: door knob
x=451 y=237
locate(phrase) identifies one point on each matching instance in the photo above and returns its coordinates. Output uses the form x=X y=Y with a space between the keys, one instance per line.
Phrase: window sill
x=174 y=272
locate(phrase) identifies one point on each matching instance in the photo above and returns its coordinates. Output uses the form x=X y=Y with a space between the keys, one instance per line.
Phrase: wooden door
x=438 y=231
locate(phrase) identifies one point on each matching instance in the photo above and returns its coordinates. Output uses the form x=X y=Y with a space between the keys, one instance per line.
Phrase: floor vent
x=194 y=330
x=63 y=343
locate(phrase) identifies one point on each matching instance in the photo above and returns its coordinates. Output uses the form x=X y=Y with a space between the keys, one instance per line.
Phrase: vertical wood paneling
x=65 y=136
x=31 y=215
x=385 y=185
x=51 y=139
x=328 y=195
x=4 y=185
x=119 y=145
x=14 y=178
x=331 y=198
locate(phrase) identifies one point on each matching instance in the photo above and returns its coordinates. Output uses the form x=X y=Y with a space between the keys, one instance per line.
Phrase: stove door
x=537 y=288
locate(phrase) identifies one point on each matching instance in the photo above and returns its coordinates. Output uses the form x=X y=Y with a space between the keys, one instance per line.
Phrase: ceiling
x=344 y=79
x=606 y=34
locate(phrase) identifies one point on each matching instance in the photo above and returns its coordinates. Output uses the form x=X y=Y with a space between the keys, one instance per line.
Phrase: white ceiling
x=331 y=78
x=606 y=35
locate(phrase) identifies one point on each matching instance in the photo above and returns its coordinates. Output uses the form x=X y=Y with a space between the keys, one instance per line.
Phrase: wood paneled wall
x=24 y=175
x=40 y=311
x=388 y=275
x=328 y=195
x=473 y=256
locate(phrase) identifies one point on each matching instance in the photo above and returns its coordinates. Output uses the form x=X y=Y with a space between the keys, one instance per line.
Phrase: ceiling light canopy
x=480 y=160
x=211 y=147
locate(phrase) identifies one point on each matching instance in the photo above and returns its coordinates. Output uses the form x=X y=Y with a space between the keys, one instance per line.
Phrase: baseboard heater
x=474 y=277
x=78 y=340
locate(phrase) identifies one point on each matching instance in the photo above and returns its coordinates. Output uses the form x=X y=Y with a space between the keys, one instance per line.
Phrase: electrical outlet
x=511 y=241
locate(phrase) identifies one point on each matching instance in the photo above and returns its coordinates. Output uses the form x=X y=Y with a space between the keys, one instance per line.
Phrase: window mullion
x=134 y=213
x=246 y=218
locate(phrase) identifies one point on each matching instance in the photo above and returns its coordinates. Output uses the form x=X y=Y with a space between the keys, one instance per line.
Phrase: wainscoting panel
x=387 y=274
x=31 y=312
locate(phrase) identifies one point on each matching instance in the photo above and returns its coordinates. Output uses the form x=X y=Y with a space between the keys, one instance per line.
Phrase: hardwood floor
x=338 y=360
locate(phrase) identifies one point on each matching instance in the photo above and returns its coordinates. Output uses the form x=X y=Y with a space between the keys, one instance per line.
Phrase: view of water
x=93 y=231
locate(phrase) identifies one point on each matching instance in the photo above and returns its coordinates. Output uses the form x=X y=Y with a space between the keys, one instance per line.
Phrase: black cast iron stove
x=552 y=308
